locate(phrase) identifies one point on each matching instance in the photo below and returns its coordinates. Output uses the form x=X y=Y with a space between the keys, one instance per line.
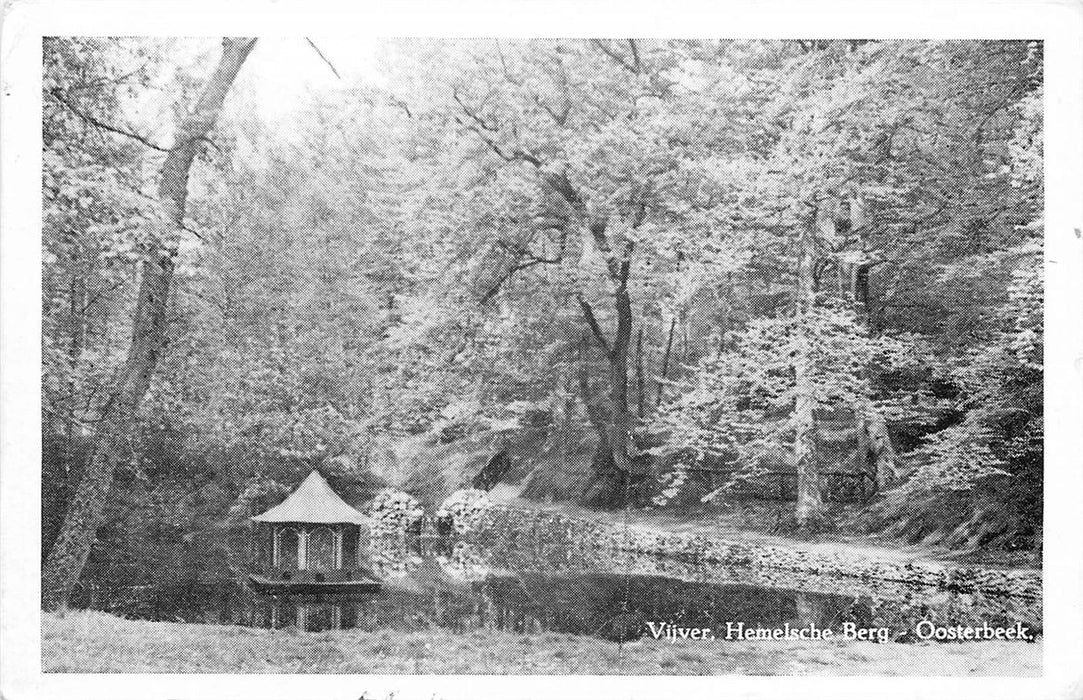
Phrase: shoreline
x=758 y=551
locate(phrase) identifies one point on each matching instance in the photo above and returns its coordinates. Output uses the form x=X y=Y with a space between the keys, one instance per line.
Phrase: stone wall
x=522 y=524
x=394 y=511
x=464 y=509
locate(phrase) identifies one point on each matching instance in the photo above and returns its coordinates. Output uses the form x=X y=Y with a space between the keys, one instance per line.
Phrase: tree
x=581 y=159
x=69 y=553
x=622 y=257
x=870 y=171
x=977 y=481
x=90 y=198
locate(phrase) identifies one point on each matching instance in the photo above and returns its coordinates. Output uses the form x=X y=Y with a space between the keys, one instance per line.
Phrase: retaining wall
x=519 y=523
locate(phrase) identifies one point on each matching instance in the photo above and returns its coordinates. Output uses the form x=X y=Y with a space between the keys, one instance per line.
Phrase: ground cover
x=95 y=642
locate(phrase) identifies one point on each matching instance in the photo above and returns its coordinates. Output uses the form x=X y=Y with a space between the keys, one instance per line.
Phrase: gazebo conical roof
x=314 y=501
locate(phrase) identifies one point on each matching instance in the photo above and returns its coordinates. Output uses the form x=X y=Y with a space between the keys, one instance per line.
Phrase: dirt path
x=727 y=526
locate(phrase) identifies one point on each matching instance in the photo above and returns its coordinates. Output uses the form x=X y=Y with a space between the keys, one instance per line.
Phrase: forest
x=657 y=275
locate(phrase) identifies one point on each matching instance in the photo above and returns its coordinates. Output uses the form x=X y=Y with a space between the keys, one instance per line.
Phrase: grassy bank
x=94 y=642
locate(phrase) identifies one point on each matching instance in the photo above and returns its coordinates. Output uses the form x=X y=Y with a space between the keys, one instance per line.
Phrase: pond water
x=464 y=586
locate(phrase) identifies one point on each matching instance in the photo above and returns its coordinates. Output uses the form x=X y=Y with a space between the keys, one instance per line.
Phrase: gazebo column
x=338 y=537
x=302 y=549
x=276 y=551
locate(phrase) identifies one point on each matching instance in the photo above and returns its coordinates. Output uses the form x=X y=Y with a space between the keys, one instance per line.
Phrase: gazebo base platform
x=264 y=584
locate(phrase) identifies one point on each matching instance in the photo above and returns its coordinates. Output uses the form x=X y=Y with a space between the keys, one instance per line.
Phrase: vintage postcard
x=498 y=351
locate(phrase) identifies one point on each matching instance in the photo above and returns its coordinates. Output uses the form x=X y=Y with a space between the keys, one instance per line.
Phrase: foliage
x=464 y=508
x=394 y=511
x=414 y=261
x=738 y=405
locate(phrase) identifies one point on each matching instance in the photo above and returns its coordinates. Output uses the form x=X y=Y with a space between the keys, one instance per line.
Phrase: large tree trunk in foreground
x=809 y=496
x=604 y=489
x=613 y=461
x=72 y=547
x=620 y=419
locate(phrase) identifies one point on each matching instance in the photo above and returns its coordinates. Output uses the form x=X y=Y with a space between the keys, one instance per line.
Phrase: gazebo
x=312 y=542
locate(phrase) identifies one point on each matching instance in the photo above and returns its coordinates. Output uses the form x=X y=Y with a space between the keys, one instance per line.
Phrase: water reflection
x=541 y=586
x=603 y=605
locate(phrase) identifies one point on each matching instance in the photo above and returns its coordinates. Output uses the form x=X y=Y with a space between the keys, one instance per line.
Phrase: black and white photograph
x=498 y=355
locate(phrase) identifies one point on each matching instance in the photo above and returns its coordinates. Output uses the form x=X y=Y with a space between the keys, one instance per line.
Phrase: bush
x=464 y=509
x=395 y=511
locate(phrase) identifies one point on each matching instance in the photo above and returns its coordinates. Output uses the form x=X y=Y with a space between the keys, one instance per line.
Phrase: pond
x=545 y=587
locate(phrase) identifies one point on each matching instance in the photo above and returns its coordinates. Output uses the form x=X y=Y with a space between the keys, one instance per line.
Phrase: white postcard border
x=1059 y=24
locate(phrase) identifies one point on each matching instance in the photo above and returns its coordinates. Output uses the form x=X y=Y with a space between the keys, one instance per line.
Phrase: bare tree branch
x=324 y=58
x=188 y=229
x=504 y=66
x=615 y=56
x=401 y=104
x=531 y=261
x=118 y=80
x=635 y=56
x=99 y=294
x=562 y=186
x=588 y=313
x=473 y=114
x=513 y=156
x=560 y=118
x=511 y=271
x=93 y=121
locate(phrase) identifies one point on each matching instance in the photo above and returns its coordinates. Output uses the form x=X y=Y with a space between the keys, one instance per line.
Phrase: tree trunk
x=665 y=361
x=620 y=423
x=862 y=448
x=809 y=498
x=883 y=453
x=72 y=547
x=612 y=463
x=859 y=294
x=604 y=488
x=639 y=374
x=57 y=482
x=875 y=452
